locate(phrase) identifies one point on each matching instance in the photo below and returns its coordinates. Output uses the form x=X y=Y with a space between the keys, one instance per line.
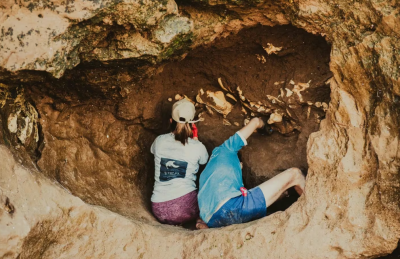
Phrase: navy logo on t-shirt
x=171 y=169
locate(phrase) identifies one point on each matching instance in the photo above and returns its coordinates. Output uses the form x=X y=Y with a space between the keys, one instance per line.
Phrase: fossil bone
x=271 y=49
x=288 y=92
x=275 y=117
x=222 y=86
x=231 y=96
x=226 y=122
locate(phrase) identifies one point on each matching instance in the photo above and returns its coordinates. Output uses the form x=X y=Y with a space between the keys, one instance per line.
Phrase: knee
x=296 y=173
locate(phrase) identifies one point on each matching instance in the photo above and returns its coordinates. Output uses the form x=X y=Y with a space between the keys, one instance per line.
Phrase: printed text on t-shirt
x=171 y=169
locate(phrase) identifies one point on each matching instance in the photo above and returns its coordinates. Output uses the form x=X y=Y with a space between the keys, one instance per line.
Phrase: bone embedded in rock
x=246 y=121
x=198 y=96
x=299 y=87
x=231 y=96
x=240 y=92
x=261 y=58
x=236 y=124
x=288 y=112
x=271 y=49
x=273 y=99
x=178 y=97
x=318 y=104
x=279 y=83
x=218 y=102
x=288 y=92
x=12 y=123
x=209 y=111
x=170 y=99
x=282 y=92
x=325 y=106
x=222 y=86
x=261 y=109
x=275 y=117
x=226 y=122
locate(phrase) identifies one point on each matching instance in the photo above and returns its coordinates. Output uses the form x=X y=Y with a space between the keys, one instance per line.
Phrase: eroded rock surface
x=350 y=208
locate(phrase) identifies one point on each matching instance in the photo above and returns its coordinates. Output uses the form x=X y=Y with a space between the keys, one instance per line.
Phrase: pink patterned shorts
x=177 y=211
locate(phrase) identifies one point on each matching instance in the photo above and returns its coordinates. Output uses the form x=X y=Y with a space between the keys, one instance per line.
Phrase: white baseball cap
x=183 y=111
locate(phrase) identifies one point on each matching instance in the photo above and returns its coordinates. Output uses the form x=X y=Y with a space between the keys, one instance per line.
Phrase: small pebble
x=248 y=236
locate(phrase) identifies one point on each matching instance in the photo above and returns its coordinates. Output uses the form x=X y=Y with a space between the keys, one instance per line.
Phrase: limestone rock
x=350 y=208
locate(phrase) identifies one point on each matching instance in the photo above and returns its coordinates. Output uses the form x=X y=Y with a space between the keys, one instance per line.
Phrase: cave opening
x=242 y=61
x=100 y=119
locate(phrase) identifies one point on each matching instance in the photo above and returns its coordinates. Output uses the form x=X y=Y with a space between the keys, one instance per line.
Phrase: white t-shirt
x=176 y=166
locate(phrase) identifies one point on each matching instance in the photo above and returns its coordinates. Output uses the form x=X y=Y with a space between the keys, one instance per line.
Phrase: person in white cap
x=177 y=156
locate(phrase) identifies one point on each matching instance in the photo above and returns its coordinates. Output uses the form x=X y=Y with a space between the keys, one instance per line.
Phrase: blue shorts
x=240 y=209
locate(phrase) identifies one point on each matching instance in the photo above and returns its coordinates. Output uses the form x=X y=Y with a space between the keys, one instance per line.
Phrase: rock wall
x=350 y=208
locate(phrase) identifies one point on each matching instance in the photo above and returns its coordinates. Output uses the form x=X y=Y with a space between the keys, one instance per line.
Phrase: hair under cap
x=183 y=111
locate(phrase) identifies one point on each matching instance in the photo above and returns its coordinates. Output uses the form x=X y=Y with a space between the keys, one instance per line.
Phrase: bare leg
x=254 y=124
x=274 y=187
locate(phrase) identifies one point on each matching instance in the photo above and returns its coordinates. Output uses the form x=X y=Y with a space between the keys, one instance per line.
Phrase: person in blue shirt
x=222 y=198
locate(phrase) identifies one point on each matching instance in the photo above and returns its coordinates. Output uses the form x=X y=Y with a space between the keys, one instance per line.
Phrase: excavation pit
x=99 y=121
x=89 y=131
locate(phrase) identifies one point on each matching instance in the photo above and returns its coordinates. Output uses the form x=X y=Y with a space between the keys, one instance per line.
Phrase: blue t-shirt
x=222 y=178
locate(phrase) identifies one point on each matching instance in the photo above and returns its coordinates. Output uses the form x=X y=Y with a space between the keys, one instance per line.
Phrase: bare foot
x=200 y=224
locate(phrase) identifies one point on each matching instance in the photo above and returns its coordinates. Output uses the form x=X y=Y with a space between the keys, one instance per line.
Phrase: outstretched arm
x=254 y=124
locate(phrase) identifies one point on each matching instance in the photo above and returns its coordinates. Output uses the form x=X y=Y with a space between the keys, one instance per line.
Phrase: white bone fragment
x=261 y=109
x=226 y=122
x=271 y=49
x=231 y=96
x=261 y=58
x=288 y=92
x=221 y=85
x=275 y=117
x=325 y=106
x=240 y=92
x=12 y=123
x=288 y=112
